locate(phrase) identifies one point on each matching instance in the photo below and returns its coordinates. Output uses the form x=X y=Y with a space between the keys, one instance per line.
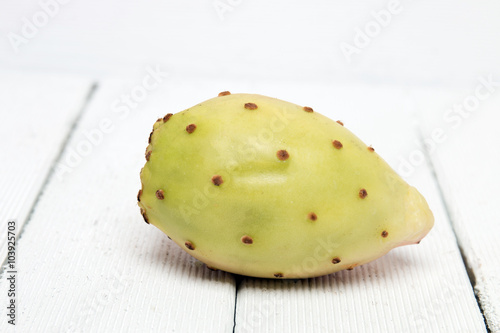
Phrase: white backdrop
x=419 y=43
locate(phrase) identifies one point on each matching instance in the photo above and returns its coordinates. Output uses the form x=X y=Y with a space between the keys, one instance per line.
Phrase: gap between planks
x=444 y=203
x=52 y=168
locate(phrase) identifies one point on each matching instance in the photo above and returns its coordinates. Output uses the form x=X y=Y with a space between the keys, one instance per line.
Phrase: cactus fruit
x=261 y=187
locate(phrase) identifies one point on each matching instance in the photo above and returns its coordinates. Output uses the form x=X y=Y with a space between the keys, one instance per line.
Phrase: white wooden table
x=85 y=261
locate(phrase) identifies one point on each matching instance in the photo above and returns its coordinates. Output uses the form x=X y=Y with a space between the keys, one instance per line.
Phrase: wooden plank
x=419 y=288
x=102 y=269
x=89 y=263
x=37 y=115
x=467 y=161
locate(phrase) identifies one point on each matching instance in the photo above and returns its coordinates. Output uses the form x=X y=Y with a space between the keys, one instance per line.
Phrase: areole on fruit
x=256 y=186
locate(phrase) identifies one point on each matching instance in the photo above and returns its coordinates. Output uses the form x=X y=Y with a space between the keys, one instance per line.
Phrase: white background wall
x=430 y=43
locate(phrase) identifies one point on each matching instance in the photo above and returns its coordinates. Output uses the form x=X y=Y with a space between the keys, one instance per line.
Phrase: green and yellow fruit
x=261 y=187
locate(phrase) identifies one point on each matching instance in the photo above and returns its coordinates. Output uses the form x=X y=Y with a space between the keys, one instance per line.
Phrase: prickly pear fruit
x=261 y=187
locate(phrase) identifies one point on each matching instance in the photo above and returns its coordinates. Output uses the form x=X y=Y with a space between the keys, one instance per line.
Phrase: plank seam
x=468 y=268
x=238 y=281
x=52 y=168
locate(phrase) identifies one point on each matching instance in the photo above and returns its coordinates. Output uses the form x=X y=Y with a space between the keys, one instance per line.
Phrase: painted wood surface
x=37 y=115
x=461 y=131
x=88 y=262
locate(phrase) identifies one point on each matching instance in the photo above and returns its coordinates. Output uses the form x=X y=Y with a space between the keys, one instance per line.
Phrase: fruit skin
x=261 y=187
